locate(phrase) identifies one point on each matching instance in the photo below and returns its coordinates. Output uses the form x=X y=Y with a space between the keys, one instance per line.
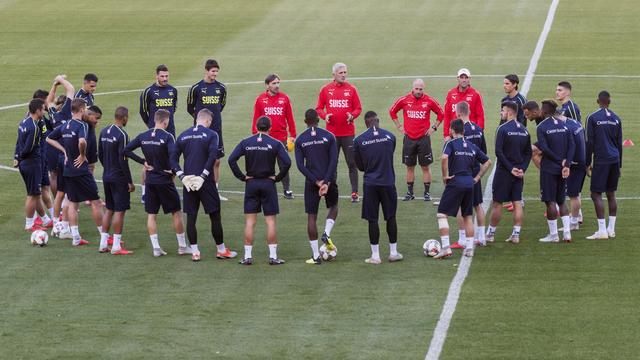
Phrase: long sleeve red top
x=476 y=107
x=338 y=100
x=278 y=109
x=416 y=114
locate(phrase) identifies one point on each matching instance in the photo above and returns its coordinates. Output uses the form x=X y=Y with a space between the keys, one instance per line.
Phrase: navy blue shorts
x=506 y=187
x=31 y=172
x=604 y=177
x=454 y=199
x=51 y=155
x=552 y=187
x=207 y=195
x=44 y=181
x=477 y=193
x=376 y=195
x=165 y=195
x=575 y=181
x=81 y=188
x=117 y=196
x=312 y=199
x=261 y=195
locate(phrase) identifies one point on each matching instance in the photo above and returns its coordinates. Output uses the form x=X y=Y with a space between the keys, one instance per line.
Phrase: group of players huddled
x=57 y=149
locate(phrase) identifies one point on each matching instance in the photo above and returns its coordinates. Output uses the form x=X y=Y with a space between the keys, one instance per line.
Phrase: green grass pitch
x=529 y=301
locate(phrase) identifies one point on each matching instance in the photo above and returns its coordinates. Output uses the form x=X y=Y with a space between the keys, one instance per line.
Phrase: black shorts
x=376 y=195
x=207 y=195
x=552 y=187
x=44 y=181
x=506 y=187
x=417 y=151
x=604 y=177
x=312 y=199
x=165 y=195
x=477 y=193
x=31 y=173
x=454 y=199
x=81 y=188
x=260 y=195
x=575 y=181
x=117 y=196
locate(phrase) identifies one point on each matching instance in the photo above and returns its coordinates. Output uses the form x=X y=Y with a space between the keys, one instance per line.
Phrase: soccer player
x=458 y=159
x=569 y=108
x=277 y=106
x=117 y=180
x=199 y=147
x=513 y=151
x=339 y=105
x=160 y=95
x=260 y=152
x=46 y=203
x=604 y=160
x=79 y=184
x=156 y=144
x=463 y=92
x=533 y=113
x=510 y=85
x=558 y=148
x=28 y=160
x=474 y=135
x=416 y=145
x=317 y=159
x=577 y=171
x=89 y=85
x=210 y=94
x=373 y=152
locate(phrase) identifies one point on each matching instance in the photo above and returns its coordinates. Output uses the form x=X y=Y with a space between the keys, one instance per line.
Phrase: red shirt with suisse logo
x=278 y=109
x=339 y=99
x=476 y=107
x=416 y=113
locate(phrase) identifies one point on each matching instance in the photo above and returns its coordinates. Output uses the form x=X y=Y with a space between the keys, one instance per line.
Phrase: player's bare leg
x=602 y=222
x=48 y=204
x=518 y=214
x=469 y=243
x=312 y=231
x=72 y=213
x=152 y=228
x=552 y=222
x=272 y=240
x=249 y=229
x=613 y=212
x=576 y=207
x=480 y=226
x=30 y=211
x=178 y=226
x=536 y=156
x=96 y=213
x=216 y=177
x=462 y=234
x=443 y=227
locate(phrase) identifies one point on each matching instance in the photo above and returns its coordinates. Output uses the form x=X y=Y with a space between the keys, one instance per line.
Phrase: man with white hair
x=416 y=109
x=339 y=105
x=463 y=92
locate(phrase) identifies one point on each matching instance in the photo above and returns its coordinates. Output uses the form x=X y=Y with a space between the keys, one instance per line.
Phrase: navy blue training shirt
x=260 y=152
x=211 y=96
x=86 y=96
x=317 y=155
x=462 y=158
x=604 y=138
x=520 y=100
x=474 y=134
x=113 y=140
x=579 y=156
x=513 y=146
x=157 y=97
x=556 y=143
x=69 y=136
x=28 y=143
x=571 y=110
x=199 y=145
x=156 y=145
x=373 y=152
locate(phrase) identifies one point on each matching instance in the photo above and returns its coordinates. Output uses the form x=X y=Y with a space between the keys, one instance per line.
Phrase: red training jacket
x=339 y=99
x=476 y=107
x=416 y=113
x=278 y=109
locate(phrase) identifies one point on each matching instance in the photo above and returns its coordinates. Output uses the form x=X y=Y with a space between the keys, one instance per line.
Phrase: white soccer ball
x=431 y=247
x=326 y=254
x=39 y=238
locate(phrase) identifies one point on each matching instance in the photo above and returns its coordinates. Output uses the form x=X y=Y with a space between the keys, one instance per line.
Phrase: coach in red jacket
x=339 y=105
x=463 y=92
x=276 y=106
x=416 y=109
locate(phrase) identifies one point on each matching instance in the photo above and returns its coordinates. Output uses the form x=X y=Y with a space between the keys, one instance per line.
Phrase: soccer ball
x=431 y=247
x=39 y=238
x=328 y=255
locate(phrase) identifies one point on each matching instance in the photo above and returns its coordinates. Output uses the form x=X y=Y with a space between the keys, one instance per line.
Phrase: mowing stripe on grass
x=442 y=327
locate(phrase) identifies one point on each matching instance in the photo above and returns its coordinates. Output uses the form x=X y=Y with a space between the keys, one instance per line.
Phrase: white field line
x=361 y=78
x=449 y=308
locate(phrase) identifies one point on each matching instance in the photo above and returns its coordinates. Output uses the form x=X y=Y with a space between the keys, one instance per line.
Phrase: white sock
x=314 y=248
x=28 y=223
x=100 y=230
x=612 y=224
x=45 y=219
x=491 y=230
x=328 y=226
x=116 y=242
x=462 y=236
x=104 y=238
x=65 y=225
x=143 y=189
x=516 y=230
x=602 y=226
x=445 y=241
x=181 y=240
x=393 y=248
x=221 y=248
x=580 y=214
x=154 y=241
x=194 y=247
x=247 y=251
x=566 y=223
x=53 y=216
x=553 y=227
x=375 y=251
x=469 y=243
x=480 y=233
x=574 y=220
x=273 y=251
x=76 y=234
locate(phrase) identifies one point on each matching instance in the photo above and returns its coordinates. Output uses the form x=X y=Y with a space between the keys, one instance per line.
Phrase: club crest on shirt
x=217 y=91
x=424 y=105
x=347 y=93
x=469 y=98
x=170 y=93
